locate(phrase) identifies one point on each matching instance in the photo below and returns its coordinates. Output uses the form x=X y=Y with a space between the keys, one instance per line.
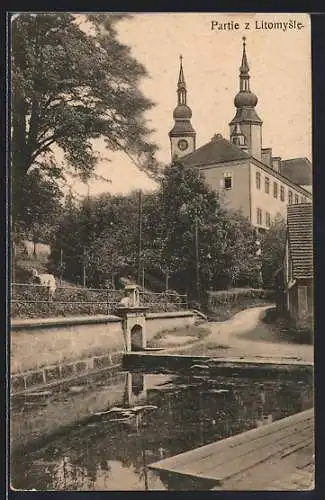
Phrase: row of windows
x=259 y=216
x=276 y=190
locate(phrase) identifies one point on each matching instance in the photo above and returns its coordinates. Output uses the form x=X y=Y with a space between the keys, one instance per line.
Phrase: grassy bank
x=286 y=328
x=224 y=304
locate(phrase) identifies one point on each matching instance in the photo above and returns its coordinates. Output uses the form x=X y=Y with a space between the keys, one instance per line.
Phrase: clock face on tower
x=182 y=144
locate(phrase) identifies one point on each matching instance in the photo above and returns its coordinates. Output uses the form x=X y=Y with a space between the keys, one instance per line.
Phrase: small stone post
x=133 y=319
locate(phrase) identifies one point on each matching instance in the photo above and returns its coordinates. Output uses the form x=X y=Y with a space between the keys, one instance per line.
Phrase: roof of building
x=218 y=150
x=244 y=114
x=300 y=239
x=182 y=127
x=298 y=170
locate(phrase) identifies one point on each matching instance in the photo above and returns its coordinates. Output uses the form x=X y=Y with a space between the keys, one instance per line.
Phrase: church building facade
x=247 y=176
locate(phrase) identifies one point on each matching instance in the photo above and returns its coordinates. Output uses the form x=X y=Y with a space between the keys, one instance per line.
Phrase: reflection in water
x=192 y=411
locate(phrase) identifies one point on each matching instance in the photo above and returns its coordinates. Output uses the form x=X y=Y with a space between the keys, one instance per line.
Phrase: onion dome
x=182 y=112
x=245 y=98
x=245 y=101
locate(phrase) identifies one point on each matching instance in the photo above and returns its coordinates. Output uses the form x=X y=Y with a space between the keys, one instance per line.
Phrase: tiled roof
x=298 y=170
x=217 y=150
x=300 y=235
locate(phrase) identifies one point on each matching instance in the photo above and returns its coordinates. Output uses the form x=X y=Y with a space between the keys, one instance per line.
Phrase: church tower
x=182 y=136
x=246 y=126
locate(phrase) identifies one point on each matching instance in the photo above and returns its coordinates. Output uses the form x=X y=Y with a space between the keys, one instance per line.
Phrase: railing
x=35 y=301
x=163 y=301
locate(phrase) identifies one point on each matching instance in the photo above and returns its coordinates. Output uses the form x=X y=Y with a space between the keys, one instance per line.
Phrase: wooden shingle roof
x=300 y=239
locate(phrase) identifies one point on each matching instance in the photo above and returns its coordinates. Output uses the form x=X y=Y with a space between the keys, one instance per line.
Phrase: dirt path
x=247 y=335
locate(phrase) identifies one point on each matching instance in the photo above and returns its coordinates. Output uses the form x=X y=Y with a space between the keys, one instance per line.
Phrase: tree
x=98 y=238
x=185 y=230
x=185 y=207
x=273 y=251
x=230 y=252
x=113 y=249
x=38 y=220
x=71 y=85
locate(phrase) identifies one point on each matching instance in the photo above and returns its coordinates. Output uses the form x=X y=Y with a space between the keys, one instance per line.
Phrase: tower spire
x=182 y=135
x=246 y=126
x=244 y=70
x=181 y=85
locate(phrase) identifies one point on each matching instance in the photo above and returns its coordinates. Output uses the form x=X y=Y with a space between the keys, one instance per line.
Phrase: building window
x=268 y=219
x=275 y=189
x=259 y=216
x=267 y=185
x=258 y=180
x=282 y=193
x=296 y=198
x=290 y=197
x=228 y=181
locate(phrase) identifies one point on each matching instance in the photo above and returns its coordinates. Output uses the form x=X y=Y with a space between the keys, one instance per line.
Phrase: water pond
x=112 y=451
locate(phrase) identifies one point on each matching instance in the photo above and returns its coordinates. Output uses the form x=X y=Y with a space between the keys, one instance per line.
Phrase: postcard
x=162 y=252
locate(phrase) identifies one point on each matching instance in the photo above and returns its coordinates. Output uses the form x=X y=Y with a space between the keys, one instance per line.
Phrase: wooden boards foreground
x=253 y=460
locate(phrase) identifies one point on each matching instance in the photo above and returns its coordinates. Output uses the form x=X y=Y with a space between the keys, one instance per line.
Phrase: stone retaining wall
x=49 y=351
x=160 y=322
x=38 y=344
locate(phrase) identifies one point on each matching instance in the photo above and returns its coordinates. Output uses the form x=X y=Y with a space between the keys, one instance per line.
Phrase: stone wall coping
x=127 y=310
x=171 y=314
x=20 y=324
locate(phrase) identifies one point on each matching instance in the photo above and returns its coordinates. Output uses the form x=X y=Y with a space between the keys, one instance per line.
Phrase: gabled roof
x=298 y=170
x=300 y=239
x=218 y=150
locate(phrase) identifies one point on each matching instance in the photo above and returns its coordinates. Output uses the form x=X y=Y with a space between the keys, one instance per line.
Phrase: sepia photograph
x=161 y=269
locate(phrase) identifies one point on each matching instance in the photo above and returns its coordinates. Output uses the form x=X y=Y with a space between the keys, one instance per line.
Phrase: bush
x=236 y=295
x=30 y=301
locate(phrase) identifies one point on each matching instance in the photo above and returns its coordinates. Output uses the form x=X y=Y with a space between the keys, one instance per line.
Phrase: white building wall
x=253 y=134
x=237 y=197
x=266 y=201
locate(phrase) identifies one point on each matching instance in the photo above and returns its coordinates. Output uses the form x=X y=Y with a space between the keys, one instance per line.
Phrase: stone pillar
x=133 y=319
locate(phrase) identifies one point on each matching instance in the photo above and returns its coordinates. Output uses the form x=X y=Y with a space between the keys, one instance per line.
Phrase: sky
x=280 y=70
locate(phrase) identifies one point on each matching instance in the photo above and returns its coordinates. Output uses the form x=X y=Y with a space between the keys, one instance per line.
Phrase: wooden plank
x=226 y=453
x=236 y=465
x=275 y=473
x=233 y=442
x=297 y=482
x=278 y=443
x=253 y=453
